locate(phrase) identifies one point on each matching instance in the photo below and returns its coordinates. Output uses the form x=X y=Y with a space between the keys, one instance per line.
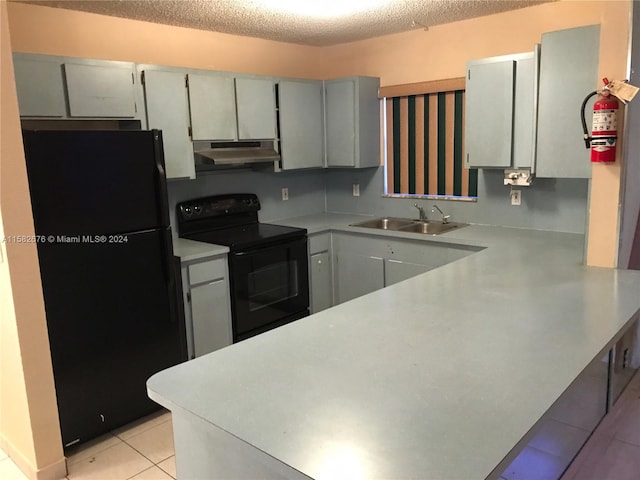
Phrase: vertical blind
x=425 y=145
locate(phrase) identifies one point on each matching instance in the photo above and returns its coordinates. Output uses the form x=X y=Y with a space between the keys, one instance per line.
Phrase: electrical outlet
x=356 y=189
x=285 y=193
x=516 y=197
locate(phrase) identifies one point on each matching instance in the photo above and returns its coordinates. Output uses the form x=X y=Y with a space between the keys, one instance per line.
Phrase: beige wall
x=29 y=429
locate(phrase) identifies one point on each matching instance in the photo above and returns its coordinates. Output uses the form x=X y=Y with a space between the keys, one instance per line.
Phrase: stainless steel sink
x=385 y=223
x=430 y=227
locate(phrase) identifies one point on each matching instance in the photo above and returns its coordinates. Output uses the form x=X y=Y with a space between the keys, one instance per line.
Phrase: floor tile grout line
x=141 y=471
x=138 y=451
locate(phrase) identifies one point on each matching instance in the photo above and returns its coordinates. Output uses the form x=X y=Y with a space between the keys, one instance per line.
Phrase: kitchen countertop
x=189 y=250
x=439 y=376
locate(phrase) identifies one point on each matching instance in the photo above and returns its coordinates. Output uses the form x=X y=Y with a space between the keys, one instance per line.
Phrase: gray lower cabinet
x=167 y=109
x=301 y=124
x=397 y=270
x=568 y=73
x=358 y=275
x=207 y=306
x=364 y=263
x=320 y=282
x=352 y=119
x=320 y=272
x=61 y=87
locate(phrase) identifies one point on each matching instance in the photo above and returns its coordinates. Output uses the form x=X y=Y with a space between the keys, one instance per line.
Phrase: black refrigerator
x=111 y=297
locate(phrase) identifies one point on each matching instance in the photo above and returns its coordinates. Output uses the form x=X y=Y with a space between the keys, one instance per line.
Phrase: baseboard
x=54 y=471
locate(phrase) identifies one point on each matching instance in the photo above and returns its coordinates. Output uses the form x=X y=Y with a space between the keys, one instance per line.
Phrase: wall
x=306 y=191
x=551 y=204
x=54 y=31
x=442 y=51
x=29 y=429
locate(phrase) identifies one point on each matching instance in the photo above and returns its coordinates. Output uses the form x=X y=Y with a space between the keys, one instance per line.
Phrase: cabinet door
x=256 y=107
x=40 y=88
x=210 y=317
x=100 y=91
x=524 y=108
x=341 y=123
x=489 y=113
x=320 y=271
x=167 y=109
x=301 y=124
x=568 y=73
x=396 y=271
x=358 y=275
x=212 y=104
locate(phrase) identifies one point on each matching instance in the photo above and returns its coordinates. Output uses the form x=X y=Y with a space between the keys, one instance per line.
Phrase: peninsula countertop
x=439 y=376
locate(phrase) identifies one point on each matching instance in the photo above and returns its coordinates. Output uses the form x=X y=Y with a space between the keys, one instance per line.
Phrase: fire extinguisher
x=604 y=125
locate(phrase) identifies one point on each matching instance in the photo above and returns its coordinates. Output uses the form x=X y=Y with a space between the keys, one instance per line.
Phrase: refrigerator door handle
x=161 y=180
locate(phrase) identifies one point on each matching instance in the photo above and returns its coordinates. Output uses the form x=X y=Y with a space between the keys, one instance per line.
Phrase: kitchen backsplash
x=550 y=204
x=306 y=191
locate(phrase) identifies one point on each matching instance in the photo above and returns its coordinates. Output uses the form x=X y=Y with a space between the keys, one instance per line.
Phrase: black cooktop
x=247 y=236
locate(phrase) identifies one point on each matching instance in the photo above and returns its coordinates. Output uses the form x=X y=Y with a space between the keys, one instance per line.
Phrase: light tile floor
x=143 y=450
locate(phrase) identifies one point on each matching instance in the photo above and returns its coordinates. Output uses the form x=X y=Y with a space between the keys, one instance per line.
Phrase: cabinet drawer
x=319 y=243
x=206 y=271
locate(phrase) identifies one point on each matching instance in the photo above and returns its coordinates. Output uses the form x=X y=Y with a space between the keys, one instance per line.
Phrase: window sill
x=431 y=197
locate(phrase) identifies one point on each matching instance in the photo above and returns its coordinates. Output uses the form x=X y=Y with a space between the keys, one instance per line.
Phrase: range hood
x=220 y=155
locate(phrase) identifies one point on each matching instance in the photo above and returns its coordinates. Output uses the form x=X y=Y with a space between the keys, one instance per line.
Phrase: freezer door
x=113 y=322
x=87 y=182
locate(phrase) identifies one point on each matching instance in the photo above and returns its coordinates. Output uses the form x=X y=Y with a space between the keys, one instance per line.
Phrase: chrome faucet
x=423 y=216
x=445 y=218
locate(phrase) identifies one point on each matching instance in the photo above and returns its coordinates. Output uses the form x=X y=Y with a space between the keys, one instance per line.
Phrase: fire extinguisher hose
x=587 y=138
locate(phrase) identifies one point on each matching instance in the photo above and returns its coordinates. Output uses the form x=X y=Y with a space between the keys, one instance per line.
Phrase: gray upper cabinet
x=40 y=87
x=500 y=120
x=168 y=110
x=352 y=119
x=489 y=112
x=256 y=108
x=301 y=124
x=106 y=91
x=213 y=107
x=525 y=109
x=61 y=87
x=568 y=73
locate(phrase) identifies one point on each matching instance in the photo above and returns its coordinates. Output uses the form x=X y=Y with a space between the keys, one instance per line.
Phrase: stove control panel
x=217 y=206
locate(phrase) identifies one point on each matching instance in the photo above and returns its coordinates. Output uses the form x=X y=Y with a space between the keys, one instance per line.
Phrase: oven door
x=269 y=287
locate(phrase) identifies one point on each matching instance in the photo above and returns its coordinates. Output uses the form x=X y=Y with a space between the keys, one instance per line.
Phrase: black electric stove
x=268 y=269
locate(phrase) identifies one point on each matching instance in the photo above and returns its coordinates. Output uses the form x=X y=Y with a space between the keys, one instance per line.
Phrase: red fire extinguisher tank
x=604 y=129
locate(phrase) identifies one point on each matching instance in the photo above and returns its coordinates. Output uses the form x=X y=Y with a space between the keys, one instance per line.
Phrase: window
x=424 y=143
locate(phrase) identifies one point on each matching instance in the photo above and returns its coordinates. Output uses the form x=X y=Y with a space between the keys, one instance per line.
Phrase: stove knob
x=197 y=209
x=188 y=211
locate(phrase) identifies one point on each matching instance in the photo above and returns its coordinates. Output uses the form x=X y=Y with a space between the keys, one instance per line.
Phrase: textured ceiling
x=285 y=20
